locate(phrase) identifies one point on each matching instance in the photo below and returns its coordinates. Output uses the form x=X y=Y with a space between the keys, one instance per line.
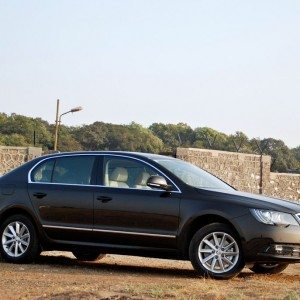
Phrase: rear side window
x=70 y=170
x=73 y=169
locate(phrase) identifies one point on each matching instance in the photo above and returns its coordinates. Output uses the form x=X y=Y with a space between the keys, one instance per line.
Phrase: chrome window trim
x=111 y=231
x=70 y=228
x=298 y=217
x=102 y=186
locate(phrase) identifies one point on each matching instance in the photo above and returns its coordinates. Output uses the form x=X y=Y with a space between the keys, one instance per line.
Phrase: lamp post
x=58 y=121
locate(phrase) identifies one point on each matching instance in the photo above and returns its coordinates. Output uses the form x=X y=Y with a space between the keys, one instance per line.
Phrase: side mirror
x=158 y=182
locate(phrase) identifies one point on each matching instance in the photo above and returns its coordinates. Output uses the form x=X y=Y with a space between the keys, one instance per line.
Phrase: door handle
x=104 y=199
x=39 y=195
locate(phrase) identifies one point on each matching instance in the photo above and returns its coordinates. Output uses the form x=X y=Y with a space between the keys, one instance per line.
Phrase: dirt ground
x=59 y=276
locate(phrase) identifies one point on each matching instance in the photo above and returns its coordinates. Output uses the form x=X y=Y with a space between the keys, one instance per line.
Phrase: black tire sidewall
x=194 y=245
x=258 y=268
x=33 y=249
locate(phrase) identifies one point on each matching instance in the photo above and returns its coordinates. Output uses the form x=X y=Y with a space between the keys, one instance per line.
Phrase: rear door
x=61 y=192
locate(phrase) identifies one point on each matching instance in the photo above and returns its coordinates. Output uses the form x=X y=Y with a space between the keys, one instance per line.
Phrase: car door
x=128 y=212
x=61 y=192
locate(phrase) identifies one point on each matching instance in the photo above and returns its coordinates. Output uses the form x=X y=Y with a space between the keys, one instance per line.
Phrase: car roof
x=127 y=153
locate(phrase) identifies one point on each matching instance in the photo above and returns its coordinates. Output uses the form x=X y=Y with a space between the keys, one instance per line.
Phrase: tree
x=144 y=140
x=25 y=127
x=18 y=130
x=210 y=138
x=66 y=140
x=283 y=159
x=133 y=137
x=173 y=135
x=14 y=139
x=105 y=136
x=296 y=153
x=92 y=137
x=238 y=142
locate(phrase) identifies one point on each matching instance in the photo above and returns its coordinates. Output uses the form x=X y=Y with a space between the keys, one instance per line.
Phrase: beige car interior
x=141 y=181
x=118 y=178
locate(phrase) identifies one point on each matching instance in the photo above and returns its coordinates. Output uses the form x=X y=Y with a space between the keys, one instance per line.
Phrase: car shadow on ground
x=109 y=267
x=63 y=261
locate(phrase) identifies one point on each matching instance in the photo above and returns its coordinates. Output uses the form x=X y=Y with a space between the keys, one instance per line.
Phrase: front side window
x=68 y=169
x=127 y=173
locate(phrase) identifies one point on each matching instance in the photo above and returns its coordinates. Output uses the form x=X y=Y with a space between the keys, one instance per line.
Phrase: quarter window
x=43 y=172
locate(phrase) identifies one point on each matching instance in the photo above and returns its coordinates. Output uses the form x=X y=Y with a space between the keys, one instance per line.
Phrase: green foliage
x=144 y=140
x=174 y=135
x=283 y=159
x=18 y=130
x=92 y=137
x=210 y=138
x=24 y=127
x=239 y=142
x=14 y=139
x=296 y=153
x=105 y=136
x=67 y=140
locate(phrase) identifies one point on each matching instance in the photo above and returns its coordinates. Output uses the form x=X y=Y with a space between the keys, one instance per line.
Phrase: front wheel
x=19 y=241
x=268 y=268
x=215 y=252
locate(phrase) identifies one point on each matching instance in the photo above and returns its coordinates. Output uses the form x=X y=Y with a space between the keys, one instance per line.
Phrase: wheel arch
x=21 y=210
x=199 y=222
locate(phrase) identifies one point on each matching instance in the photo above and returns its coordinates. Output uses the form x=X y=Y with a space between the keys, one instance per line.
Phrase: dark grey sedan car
x=93 y=203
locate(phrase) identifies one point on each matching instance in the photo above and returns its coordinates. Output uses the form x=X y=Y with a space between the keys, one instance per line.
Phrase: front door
x=128 y=212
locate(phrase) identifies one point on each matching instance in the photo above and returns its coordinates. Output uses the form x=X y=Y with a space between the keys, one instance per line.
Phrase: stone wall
x=285 y=186
x=246 y=172
x=12 y=157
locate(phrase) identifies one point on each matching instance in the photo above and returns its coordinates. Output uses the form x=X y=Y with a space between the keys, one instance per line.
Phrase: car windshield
x=191 y=174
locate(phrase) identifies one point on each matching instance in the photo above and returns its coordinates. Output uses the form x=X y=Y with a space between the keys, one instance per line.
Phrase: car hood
x=257 y=201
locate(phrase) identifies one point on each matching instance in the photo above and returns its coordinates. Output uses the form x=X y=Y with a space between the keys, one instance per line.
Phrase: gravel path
x=57 y=275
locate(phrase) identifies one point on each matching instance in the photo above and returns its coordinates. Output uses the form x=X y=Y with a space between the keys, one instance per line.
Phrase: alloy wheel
x=15 y=239
x=218 y=252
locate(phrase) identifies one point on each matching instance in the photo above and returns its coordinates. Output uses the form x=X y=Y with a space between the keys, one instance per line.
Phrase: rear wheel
x=268 y=268
x=19 y=241
x=88 y=255
x=215 y=252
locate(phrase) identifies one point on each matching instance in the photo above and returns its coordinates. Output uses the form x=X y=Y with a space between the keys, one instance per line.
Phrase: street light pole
x=56 y=125
x=58 y=121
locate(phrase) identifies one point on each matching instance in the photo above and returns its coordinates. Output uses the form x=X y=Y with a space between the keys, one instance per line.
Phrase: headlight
x=274 y=217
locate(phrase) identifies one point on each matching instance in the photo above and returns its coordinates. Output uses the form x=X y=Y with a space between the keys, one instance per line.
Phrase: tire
x=210 y=255
x=19 y=241
x=268 y=268
x=88 y=255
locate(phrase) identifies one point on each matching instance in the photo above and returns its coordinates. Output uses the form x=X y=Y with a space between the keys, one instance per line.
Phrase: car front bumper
x=268 y=243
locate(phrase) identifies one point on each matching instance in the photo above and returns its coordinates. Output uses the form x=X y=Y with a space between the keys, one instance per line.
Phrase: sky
x=232 y=65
